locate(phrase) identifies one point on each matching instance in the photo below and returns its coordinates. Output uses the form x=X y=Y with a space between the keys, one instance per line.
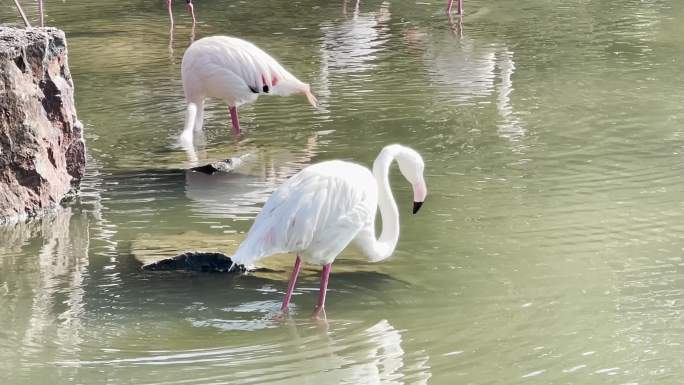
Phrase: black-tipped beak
x=416 y=206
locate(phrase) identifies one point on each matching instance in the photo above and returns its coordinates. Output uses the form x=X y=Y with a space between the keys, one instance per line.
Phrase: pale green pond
x=549 y=251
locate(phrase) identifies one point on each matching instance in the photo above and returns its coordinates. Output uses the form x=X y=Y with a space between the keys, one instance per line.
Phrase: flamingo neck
x=384 y=246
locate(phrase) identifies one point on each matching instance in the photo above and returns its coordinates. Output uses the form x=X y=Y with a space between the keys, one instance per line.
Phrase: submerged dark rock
x=225 y=165
x=197 y=261
x=42 y=152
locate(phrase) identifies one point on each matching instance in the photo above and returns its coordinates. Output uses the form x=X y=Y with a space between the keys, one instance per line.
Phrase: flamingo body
x=315 y=214
x=325 y=207
x=234 y=70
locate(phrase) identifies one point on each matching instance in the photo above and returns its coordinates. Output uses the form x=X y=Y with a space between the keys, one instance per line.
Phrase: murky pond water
x=549 y=250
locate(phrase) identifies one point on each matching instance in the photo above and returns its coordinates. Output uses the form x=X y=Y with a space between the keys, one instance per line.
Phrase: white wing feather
x=316 y=214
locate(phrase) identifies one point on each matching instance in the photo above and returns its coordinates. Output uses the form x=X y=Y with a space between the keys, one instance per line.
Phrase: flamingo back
x=315 y=214
x=235 y=70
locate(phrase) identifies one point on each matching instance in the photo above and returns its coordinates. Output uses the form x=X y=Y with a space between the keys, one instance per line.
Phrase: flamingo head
x=285 y=85
x=412 y=167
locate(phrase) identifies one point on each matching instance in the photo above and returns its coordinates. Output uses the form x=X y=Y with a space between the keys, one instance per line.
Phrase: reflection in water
x=172 y=57
x=45 y=293
x=377 y=356
x=308 y=353
x=456 y=26
x=345 y=7
x=509 y=125
x=239 y=194
x=468 y=73
x=349 y=50
x=352 y=46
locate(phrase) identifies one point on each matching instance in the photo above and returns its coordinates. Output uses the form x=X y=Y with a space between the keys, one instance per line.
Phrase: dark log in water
x=197 y=261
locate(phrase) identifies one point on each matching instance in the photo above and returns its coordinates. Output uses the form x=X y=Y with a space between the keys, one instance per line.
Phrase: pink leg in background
x=168 y=4
x=40 y=11
x=291 y=284
x=236 y=123
x=459 y=7
x=191 y=10
x=323 y=290
x=21 y=12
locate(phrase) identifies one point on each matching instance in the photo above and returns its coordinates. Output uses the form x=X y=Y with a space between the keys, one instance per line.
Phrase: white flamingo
x=325 y=207
x=234 y=70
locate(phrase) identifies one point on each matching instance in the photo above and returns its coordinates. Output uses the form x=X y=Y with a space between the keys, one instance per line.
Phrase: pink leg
x=168 y=4
x=459 y=7
x=191 y=10
x=21 y=12
x=40 y=10
x=291 y=284
x=323 y=290
x=234 y=119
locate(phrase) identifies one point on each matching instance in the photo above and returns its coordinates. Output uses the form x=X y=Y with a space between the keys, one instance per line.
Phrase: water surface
x=549 y=250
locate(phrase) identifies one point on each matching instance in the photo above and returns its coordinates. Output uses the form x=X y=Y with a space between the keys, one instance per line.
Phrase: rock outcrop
x=197 y=261
x=42 y=152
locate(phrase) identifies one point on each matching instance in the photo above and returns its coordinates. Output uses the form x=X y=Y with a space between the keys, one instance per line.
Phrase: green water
x=549 y=250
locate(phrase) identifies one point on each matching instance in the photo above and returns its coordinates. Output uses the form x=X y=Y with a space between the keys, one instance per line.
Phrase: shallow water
x=549 y=250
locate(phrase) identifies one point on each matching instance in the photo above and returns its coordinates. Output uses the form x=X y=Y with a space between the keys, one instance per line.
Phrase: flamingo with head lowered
x=325 y=207
x=234 y=70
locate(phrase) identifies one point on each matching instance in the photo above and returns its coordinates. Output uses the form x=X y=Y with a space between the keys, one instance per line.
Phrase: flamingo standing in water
x=234 y=70
x=190 y=6
x=325 y=207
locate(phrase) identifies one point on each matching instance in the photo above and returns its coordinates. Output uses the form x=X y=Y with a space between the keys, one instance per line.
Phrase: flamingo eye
x=265 y=88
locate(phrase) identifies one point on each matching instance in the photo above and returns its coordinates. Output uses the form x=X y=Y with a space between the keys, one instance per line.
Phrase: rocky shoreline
x=42 y=151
